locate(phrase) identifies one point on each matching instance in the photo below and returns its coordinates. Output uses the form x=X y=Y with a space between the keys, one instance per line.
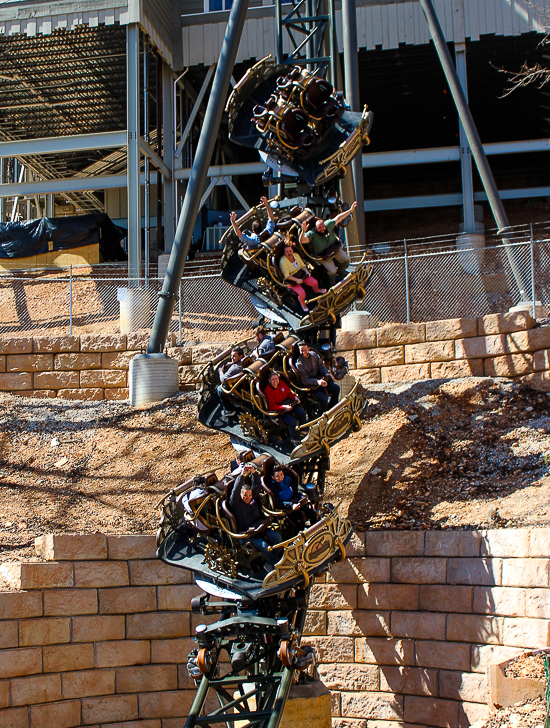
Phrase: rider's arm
x=268 y=209
x=342 y=215
x=236 y=228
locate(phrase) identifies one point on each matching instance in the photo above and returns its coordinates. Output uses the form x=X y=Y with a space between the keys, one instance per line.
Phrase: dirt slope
x=466 y=453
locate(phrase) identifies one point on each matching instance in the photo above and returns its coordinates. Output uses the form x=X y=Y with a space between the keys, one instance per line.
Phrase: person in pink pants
x=296 y=274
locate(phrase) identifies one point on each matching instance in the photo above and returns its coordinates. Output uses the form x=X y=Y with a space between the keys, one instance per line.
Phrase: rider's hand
x=322 y=383
x=263 y=200
x=233 y=216
x=304 y=226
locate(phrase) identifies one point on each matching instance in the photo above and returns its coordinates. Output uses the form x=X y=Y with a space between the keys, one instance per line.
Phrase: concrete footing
x=152 y=378
x=307 y=706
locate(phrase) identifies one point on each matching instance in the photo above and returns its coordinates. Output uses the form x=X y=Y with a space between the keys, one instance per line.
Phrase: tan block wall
x=404 y=629
x=87 y=367
x=95 y=367
x=89 y=637
x=496 y=345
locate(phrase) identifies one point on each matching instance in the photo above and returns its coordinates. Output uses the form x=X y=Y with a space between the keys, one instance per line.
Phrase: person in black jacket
x=245 y=505
x=314 y=374
x=227 y=371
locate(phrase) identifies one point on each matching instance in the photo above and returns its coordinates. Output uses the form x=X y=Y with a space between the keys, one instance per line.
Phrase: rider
x=252 y=241
x=282 y=401
x=322 y=237
x=265 y=342
x=314 y=374
x=245 y=505
x=289 y=499
x=228 y=371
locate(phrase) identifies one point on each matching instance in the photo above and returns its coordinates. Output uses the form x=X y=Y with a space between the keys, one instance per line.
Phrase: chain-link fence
x=207 y=308
x=415 y=280
x=458 y=276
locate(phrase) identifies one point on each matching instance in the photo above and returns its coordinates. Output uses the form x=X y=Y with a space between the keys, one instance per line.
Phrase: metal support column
x=132 y=111
x=50 y=205
x=2 y=181
x=465 y=151
x=199 y=172
x=168 y=145
x=147 y=188
x=356 y=235
x=473 y=138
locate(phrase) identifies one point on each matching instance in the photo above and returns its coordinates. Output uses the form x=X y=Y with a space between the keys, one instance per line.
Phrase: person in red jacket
x=282 y=401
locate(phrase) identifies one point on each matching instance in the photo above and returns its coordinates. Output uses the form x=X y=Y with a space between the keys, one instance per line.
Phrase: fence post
x=533 y=293
x=407 y=299
x=71 y=301
x=180 y=316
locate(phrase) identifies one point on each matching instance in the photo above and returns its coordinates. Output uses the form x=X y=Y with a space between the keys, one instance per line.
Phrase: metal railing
x=414 y=280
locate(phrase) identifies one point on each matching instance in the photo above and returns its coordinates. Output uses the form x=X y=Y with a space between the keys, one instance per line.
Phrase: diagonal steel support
x=154 y=157
x=196 y=109
x=473 y=139
x=205 y=147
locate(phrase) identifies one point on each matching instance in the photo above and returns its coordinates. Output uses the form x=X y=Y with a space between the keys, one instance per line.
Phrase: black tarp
x=34 y=237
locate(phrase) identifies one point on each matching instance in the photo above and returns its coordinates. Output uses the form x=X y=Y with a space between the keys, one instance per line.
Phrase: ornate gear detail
x=333 y=425
x=252 y=427
x=219 y=559
x=270 y=290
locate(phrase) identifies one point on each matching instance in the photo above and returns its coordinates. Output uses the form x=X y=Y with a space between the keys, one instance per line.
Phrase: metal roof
x=68 y=82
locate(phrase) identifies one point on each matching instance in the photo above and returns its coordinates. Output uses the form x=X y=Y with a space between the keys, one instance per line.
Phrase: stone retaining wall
x=89 y=366
x=98 y=634
x=96 y=367
x=496 y=345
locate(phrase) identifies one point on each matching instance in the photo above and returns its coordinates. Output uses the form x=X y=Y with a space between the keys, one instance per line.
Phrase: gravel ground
x=466 y=453
x=530 y=714
x=470 y=453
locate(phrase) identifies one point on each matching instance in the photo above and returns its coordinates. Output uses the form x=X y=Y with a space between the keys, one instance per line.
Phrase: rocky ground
x=530 y=714
x=470 y=453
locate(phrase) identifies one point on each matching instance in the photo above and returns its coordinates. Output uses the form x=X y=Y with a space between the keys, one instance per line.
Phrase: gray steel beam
x=154 y=157
x=195 y=110
x=388 y=159
x=473 y=137
x=465 y=151
x=351 y=80
x=168 y=155
x=133 y=155
x=448 y=200
x=205 y=147
x=65 y=184
x=56 y=145
x=229 y=182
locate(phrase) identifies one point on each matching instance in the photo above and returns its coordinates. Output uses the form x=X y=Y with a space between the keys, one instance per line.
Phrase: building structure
x=102 y=100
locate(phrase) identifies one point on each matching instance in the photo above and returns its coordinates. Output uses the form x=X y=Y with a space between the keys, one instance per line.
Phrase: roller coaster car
x=298 y=119
x=257 y=271
x=263 y=429
x=224 y=558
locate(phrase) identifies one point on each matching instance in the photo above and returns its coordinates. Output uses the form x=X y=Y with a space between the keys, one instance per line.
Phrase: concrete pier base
x=152 y=378
x=308 y=706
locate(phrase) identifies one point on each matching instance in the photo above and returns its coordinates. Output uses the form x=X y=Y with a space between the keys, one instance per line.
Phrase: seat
x=318 y=100
x=292 y=373
x=262 y=114
x=225 y=512
x=260 y=397
x=294 y=132
x=195 y=506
